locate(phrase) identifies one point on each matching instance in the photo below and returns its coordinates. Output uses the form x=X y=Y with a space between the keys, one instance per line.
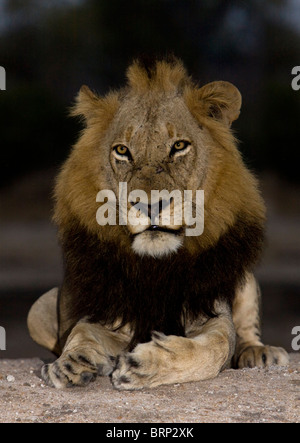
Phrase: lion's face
x=155 y=146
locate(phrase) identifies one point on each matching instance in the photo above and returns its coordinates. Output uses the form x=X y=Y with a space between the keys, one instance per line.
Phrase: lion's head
x=161 y=132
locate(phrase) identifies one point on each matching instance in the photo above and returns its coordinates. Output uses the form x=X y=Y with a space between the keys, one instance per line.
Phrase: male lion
x=146 y=303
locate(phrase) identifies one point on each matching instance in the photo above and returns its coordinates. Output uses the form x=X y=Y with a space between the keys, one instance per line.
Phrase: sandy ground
x=248 y=395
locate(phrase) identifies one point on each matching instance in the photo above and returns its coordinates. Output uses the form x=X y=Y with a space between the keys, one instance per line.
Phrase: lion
x=145 y=303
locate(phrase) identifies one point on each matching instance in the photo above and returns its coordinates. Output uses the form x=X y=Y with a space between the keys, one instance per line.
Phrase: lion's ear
x=86 y=103
x=221 y=100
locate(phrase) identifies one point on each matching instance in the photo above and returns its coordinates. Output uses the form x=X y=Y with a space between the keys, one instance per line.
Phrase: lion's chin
x=156 y=244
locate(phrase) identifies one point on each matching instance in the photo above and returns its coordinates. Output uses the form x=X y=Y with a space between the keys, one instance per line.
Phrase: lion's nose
x=153 y=210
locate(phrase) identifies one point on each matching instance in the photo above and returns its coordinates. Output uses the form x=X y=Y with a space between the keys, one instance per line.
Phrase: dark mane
x=107 y=284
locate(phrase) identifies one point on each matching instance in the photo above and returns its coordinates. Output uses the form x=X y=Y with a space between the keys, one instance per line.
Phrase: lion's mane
x=104 y=279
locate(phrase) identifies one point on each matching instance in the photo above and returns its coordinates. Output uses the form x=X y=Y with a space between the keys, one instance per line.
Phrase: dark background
x=50 y=48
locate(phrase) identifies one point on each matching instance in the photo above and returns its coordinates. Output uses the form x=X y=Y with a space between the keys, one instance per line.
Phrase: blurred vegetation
x=49 y=49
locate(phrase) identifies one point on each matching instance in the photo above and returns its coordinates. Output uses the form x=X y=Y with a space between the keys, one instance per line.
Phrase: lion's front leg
x=173 y=359
x=90 y=350
x=250 y=351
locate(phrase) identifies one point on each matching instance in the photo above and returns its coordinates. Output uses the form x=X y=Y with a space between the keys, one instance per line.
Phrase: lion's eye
x=179 y=146
x=121 y=151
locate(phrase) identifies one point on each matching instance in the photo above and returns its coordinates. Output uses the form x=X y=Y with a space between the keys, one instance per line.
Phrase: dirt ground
x=248 y=396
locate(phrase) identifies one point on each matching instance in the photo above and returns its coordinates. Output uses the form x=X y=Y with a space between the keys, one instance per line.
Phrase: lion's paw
x=128 y=373
x=262 y=357
x=77 y=368
x=150 y=364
